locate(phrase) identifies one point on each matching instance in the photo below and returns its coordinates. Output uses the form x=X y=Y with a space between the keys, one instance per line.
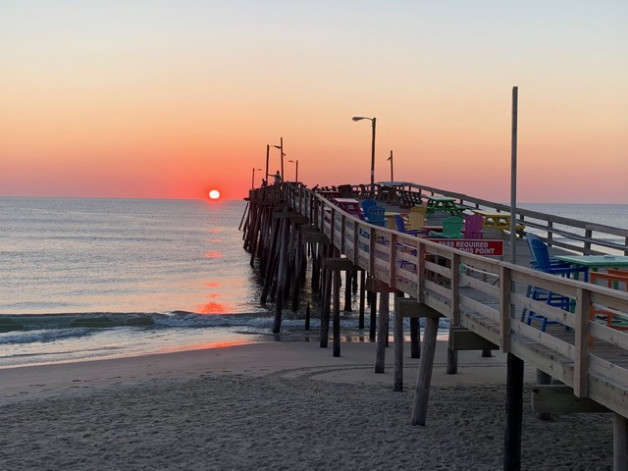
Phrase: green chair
x=452 y=228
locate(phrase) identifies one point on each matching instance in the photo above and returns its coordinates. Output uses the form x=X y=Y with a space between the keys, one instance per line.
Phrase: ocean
x=103 y=278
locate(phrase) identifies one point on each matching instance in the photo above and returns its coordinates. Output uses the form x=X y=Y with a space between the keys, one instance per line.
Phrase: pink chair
x=473 y=224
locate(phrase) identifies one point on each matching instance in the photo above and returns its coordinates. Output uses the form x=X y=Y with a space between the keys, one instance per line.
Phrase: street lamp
x=359 y=118
x=296 y=171
x=280 y=147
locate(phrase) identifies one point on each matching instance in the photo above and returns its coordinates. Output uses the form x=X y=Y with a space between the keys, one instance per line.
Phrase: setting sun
x=214 y=195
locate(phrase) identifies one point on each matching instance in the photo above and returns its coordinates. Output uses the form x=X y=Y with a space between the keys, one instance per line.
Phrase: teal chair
x=375 y=215
x=452 y=228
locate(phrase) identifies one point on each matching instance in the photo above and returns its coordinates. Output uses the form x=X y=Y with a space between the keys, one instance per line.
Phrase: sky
x=169 y=99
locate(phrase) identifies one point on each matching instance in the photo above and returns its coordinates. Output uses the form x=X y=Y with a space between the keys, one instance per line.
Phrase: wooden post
x=620 y=443
x=307 y=316
x=398 y=351
x=452 y=358
x=543 y=378
x=281 y=276
x=424 y=376
x=382 y=332
x=362 y=299
x=348 y=278
x=415 y=338
x=514 y=413
x=325 y=308
x=373 y=323
x=336 y=321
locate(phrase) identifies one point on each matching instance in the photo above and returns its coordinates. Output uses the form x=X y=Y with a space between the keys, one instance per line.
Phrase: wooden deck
x=487 y=296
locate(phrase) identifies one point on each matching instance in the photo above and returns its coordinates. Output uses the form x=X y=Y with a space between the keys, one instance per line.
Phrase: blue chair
x=542 y=261
x=533 y=263
x=375 y=215
x=366 y=204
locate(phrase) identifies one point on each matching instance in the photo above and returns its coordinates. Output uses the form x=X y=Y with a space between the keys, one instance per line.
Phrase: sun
x=214 y=194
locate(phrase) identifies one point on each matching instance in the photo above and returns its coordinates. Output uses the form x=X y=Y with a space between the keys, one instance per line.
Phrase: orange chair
x=617 y=279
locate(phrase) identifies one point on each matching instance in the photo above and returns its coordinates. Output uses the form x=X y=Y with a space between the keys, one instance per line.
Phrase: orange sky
x=170 y=99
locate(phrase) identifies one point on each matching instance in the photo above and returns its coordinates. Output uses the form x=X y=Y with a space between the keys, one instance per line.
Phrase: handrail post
x=581 y=362
x=505 y=307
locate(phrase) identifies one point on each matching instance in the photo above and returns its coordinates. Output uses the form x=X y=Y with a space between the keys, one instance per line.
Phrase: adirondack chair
x=533 y=263
x=375 y=215
x=400 y=225
x=614 y=279
x=542 y=262
x=452 y=228
x=416 y=222
x=473 y=227
x=366 y=204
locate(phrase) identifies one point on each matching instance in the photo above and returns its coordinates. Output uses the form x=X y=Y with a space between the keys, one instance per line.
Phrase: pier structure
x=582 y=364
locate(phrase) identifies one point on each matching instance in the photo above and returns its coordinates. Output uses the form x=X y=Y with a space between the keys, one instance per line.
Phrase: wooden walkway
x=479 y=295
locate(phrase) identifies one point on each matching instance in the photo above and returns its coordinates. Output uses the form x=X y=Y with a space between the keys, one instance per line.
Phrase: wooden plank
x=378 y=286
x=560 y=399
x=463 y=339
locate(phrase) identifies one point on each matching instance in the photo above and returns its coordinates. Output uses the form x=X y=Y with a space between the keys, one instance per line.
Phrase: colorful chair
x=542 y=261
x=452 y=228
x=614 y=279
x=473 y=224
x=400 y=225
x=416 y=218
x=375 y=215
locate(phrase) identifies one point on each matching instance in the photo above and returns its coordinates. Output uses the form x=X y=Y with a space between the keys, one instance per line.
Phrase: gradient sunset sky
x=169 y=99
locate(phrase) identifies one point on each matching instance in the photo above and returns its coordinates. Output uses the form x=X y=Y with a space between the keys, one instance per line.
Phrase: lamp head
x=358 y=118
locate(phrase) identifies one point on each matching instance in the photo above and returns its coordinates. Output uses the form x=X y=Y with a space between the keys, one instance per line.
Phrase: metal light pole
x=280 y=147
x=253 y=177
x=513 y=175
x=267 y=156
x=373 y=120
x=391 y=166
x=296 y=171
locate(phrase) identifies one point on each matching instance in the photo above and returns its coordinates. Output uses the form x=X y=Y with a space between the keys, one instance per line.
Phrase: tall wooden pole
x=513 y=177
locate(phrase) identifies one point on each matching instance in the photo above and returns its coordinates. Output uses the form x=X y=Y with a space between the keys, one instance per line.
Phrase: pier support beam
x=335 y=266
x=620 y=442
x=382 y=329
x=514 y=413
x=405 y=307
x=426 y=365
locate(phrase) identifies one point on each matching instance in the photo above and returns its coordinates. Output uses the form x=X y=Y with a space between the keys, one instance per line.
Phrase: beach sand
x=279 y=406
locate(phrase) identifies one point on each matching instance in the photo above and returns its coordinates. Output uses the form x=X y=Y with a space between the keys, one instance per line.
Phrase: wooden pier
x=483 y=298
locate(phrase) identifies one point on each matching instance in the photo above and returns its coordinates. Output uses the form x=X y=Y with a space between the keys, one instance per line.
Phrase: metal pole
x=253 y=179
x=373 y=161
x=296 y=173
x=281 y=150
x=267 y=155
x=391 y=166
x=513 y=177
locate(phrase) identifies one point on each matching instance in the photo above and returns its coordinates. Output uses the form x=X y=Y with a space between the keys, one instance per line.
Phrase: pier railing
x=571 y=234
x=488 y=296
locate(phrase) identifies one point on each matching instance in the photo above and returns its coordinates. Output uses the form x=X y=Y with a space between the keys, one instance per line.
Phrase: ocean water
x=101 y=278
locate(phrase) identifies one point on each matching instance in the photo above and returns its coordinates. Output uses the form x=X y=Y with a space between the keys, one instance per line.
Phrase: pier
x=582 y=364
